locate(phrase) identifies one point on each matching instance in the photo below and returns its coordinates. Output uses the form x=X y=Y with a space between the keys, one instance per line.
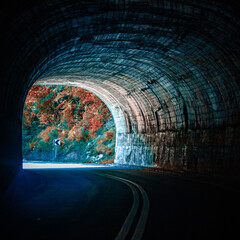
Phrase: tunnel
x=167 y=70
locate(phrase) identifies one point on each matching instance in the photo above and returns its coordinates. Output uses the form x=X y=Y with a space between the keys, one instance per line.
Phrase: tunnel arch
x=124 y=111
x=171 y=67
x=120 y=112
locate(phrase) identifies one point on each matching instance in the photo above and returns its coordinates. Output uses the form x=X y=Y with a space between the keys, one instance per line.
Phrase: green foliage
x=75 y=116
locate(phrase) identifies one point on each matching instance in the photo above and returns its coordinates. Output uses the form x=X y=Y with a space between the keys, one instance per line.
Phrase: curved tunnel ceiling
x=168 y=71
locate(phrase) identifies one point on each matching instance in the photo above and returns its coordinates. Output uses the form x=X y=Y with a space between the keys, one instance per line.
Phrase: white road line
x=143 y=217
x=130 y=218
x=137 y=235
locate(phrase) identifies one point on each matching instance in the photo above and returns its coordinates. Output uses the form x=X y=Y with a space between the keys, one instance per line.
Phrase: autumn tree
x=71 y=114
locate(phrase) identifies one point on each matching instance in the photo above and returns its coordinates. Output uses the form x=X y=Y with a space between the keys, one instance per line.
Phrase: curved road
x=116 y=204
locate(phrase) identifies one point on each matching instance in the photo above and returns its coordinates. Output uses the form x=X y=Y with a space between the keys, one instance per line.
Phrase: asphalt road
x=117 y=204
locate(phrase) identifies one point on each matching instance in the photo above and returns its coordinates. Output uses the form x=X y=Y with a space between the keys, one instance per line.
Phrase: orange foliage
x=37 y=92
x=109 y=151
x=75 y=112
x=32 y=145
x=100 y=148
x=109 y=161
x=92 y=134
x=45 y=133
x=68 y=115
x=95 y=123
x=47 y=103
x=43 y=118
x=90 y=97
x=109 y=135
x=89 y=161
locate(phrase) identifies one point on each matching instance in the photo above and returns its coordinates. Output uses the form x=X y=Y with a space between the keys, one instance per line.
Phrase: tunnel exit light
x=51 y=165
x=44 y=165
x=66 y=126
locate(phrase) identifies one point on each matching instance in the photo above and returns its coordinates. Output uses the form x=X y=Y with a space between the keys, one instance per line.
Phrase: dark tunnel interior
x=167 y=70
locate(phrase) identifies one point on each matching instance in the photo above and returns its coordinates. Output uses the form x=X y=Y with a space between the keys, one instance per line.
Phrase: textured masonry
x=167 y=70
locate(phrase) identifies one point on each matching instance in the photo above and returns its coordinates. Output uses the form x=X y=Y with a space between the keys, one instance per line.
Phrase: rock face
x=167 y=70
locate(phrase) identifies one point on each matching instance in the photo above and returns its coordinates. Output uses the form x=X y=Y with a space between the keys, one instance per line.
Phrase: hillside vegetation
x=78 y=118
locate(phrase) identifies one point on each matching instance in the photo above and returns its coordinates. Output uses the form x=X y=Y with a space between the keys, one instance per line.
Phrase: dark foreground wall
x=168 y=71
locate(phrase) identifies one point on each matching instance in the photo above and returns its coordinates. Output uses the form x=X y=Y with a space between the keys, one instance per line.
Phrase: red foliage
x=95 y=123
x=109 y=134
x=45 y=133
x=43 y=118
x=37 y=92
x=109 y=161
x=71 y=110
x=68 y=115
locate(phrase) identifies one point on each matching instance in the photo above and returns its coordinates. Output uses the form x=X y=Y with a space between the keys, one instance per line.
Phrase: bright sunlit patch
x=54 y=165
x=33 y=165
x=67 y=124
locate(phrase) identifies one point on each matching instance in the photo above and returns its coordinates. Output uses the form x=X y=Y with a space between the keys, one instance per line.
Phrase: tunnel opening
x=132 y=145
x=66 y=125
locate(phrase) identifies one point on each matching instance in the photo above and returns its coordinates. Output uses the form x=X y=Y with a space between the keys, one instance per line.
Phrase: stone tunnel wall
x=204 y=151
